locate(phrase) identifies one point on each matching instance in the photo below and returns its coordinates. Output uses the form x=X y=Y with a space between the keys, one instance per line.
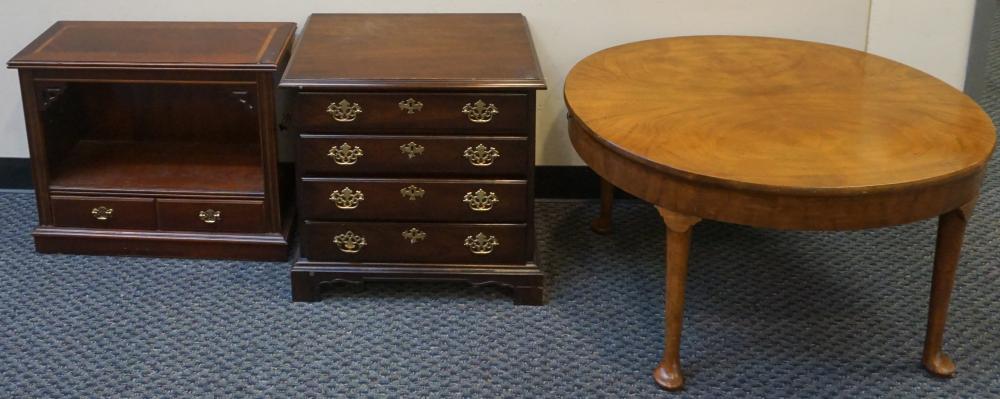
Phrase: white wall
x=932 y=35
x=564 y=32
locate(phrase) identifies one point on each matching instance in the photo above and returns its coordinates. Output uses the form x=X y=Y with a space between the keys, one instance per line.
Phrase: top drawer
x=411 y=112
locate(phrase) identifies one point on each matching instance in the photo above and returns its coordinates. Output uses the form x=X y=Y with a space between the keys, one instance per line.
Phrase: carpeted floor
x=769 y=314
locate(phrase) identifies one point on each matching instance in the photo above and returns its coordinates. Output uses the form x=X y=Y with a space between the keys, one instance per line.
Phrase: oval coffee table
x=779 y=134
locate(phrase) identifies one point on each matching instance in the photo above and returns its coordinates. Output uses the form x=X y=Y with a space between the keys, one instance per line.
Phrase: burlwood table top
x=775 y=118
x=777 y=113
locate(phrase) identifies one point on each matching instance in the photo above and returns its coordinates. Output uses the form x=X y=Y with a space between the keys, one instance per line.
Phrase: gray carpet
x=770 y=314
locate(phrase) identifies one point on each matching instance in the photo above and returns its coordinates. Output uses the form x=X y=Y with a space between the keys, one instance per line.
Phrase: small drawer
x=415 y=242
x=230 y=216
x=402 y=155
x=103 y=212
x=413 y=199
x=411 y=112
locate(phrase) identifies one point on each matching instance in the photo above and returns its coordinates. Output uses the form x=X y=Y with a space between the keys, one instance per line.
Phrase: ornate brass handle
x=347 y=198
x=412 y=192
x=414 y=235
x=481 y=244
x=345 y=154
x=344 y=111
x=480 y=155
x=480 y=112
x=349 y=242
x=480 y=201
x=411 y=149
x=411 y=106
x=210 y=216
x=102 y=212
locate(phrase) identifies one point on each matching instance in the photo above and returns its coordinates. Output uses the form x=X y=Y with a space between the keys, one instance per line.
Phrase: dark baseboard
x=15 y=174
x=569 y=182
x=552 y=182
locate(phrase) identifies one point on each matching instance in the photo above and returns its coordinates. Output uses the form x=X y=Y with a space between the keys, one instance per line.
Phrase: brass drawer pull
x=480 y=201
x=345 y=154
x=210 y=216
x=411 y=106
x=411 y=149
x=349 y=242
x=347 y=198
x=344 y=111
x=480 y=112
x=480 y=155
x=102 y=212
x=481 y=244
x=412 y=193
x=414 y=235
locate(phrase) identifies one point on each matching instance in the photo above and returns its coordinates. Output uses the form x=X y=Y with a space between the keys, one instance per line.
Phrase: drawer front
x=213 y=216
x=395 y=155
x=104 y=212
x=412 y=199
x=411 y=112
x=415 y=242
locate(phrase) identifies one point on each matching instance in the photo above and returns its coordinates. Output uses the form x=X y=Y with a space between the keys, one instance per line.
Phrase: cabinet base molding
x=261 y=247
x=526 y=282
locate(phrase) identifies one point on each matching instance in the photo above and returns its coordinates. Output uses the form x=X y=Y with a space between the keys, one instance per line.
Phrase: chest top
x=415 y=51
x=775 y=113
x=175 y=45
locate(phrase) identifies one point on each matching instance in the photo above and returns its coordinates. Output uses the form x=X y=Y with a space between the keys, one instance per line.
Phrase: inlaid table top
x=777 y=114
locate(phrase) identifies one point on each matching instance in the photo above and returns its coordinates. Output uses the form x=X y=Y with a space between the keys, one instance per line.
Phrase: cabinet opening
x=153 y=137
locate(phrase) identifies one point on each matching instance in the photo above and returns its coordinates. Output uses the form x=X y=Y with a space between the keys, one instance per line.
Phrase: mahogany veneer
x=157 y=138
x=405 y=124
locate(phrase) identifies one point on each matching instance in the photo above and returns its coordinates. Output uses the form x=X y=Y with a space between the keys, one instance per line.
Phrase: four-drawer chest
x=415 y=150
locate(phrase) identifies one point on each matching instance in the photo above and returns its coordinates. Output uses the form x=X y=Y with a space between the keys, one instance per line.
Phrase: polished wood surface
x=780 y=134
x=439 y=155
x=440 y=199
x=159 y=122
x=382 y=103
x=202 y=45
x=439 y=113
x=779 y=115
x=436 y=51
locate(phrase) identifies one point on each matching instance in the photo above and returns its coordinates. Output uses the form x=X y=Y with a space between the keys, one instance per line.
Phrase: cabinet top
x=415 y=51
x=173 y=45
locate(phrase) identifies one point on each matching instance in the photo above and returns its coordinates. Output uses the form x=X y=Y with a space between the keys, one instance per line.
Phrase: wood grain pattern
x=774 y=114
x=780 y=134
x=200 y=45
x=434 y=51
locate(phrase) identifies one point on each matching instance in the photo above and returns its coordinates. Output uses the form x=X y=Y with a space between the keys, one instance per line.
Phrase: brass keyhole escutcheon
x=411 y=106
x=210 y=216
x=102 y=213
x=411 y=149
x=412 y=193
x=344 y=111
x=480 y=112
x=415 y=235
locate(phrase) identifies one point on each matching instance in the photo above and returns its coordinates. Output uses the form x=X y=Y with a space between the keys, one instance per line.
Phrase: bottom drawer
x=230 y=216
x=415 y=242
x=103 y=212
